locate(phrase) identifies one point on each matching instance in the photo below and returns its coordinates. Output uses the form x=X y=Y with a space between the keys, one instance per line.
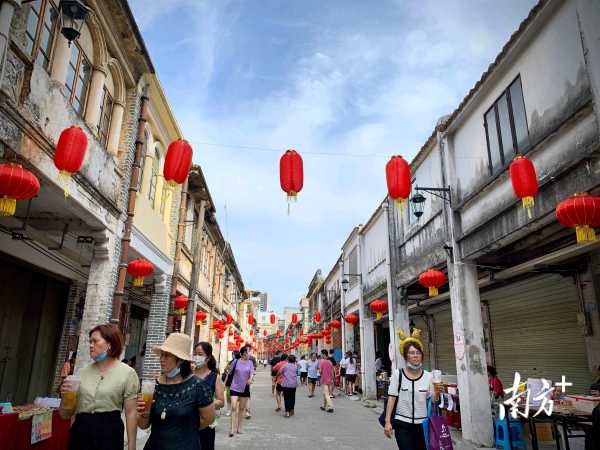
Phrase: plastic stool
x=518 y=437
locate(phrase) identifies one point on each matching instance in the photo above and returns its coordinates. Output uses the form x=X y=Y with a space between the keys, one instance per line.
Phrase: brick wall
x=157 y=325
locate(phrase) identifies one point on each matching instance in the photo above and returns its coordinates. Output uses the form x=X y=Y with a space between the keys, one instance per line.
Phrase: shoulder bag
x=386 y=399
x=229 y=379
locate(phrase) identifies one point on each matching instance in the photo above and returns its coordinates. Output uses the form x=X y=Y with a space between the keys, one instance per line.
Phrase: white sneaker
x=228 y=413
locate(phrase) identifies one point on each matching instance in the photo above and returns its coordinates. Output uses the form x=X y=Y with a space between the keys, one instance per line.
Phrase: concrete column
x=60 y=59
x=157 y=325
x=469 y=349
x=92 y=108
x=114 y=132
x=7 y=11
x=99 y=293
x=364 y=356
x=196 y=263
x=367 y=357
x=343 y=310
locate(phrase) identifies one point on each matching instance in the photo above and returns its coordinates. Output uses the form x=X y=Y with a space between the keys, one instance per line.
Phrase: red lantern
x=379 y=307
x=200 y=317
x=301 y=332
x=291 y=175
x=582 y=212
x=336 y=324
x=397 y=174
x=294 y=318
x=177 y=162
x=273 y=319
x=289 y=332
x=278 y=333
x=138 y=269
x=524 y=181
x=432 y=279
x=230 y=333
x=251 y=332
x=328 y=339
x=69 y=154
x=181 y=302
x=317 y=317
x=16 y=183
x=351 y=318
x=229 y=319
x=326 y=332
x=265 y=333
x=251 y=319
x=318 y=335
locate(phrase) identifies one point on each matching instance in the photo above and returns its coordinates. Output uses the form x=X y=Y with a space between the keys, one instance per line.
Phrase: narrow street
x=351 y=426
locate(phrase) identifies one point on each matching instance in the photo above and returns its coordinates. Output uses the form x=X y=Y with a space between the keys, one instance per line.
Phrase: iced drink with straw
x=69 y=398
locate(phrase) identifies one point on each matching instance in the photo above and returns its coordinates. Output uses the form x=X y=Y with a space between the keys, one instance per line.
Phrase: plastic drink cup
x=69 y=399
x=437 y=376
x=148 y=393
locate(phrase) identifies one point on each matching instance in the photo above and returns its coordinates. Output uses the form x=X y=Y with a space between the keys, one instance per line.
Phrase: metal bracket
x=62 y=238
x=443 y=193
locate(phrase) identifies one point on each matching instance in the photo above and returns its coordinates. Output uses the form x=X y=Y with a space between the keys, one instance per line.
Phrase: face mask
x=199 y=361
x=414 y=366
x=101 y=357
x=172 y=373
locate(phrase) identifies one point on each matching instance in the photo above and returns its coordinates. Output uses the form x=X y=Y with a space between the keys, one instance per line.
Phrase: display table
x=15 y=434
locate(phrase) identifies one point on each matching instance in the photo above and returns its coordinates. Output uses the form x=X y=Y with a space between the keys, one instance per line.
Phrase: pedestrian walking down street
x=326 y=374
x=251 y=357
x=289 y=382
x=224 y=376
x=303 y=364
x=273 y=362
x=408 y=392
x=206 y=370
x=334 y=364
x=180 y=398
x=343 y=365
x=106 y=388
x=240 y=379
x=313 y=374
x=350 y=373
x=278 y=379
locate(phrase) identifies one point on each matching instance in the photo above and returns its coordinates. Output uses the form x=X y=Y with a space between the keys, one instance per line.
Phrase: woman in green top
x=107 y=386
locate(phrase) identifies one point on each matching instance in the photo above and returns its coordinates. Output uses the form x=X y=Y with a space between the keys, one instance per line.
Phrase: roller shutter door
x=535 y=331
x=444 y=342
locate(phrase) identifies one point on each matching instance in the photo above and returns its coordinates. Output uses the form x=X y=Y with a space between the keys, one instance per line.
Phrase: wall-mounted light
x=73 y=14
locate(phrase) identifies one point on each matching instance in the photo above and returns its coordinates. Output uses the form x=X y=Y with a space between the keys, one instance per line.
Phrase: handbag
x=438 y=436
x=385 y=400
x=229 y=379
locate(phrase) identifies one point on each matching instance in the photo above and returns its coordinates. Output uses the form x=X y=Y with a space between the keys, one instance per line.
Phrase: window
x=352 y=268
x=506 y=127
x=143 y=161
x=163 y=198
x=39 y=32
x=78 y=78
x=154 y=177
x=106 y=107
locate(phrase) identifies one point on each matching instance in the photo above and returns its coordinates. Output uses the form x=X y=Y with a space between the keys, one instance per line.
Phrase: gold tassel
x=400 y=204
x=585 y=234
x=528 y=203
x=8 y=206
x=138 y=281
x=378 y=315
x=64 y=178
x=433 y=291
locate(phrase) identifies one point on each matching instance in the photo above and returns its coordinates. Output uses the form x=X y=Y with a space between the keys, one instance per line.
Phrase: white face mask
x=414 y=366
x=199 y=361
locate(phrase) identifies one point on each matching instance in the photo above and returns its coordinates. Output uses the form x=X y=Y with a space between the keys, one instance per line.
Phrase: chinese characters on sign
x=520 y=400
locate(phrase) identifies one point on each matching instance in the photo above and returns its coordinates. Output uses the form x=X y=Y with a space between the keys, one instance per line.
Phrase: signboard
x=41 y=427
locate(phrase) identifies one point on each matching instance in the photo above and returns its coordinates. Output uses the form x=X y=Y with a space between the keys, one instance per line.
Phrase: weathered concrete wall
x=373 y=264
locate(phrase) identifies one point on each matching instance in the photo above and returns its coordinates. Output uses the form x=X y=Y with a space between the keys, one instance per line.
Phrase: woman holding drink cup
x=181 y=403
x=409 y=390
x=98 y=394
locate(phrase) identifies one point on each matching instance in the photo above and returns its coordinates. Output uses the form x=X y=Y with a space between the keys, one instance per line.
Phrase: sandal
x=277 y=409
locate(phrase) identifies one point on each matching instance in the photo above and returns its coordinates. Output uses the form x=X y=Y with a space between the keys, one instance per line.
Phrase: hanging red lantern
x=524 y=181
x=582 y=212
x=432 y=279
x=251 y=319
x=138 y=269
x=289 y=332
x=273 y=319
x=251 y=332
x=69 y=154
x=200 y=317
x=336 y=324
x=326 y=332
x=318 y=335
x=180 y=304
x=278 y=333
x=230 y=333
x=397 y=174
x=178 y=161
x=379 y=307
x=328 y=339
x=265 y=333
x=16 y=183
x=229 y=319
x=294 y=318
x=317 y=317
x=351 y=318
x=301 y=332
x=291 y=174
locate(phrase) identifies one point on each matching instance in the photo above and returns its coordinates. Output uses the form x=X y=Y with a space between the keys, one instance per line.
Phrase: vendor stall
x=33 y=427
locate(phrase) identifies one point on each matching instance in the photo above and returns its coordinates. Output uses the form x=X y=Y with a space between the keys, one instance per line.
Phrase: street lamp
x=418 y=201
x=73 y=14
x=345 y=281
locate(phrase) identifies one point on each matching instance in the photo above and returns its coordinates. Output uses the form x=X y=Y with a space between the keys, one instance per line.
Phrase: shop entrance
x=382 y=343
x=136 y=337
x=32 y=311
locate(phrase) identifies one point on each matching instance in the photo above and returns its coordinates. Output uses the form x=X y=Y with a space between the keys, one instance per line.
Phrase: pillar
x=60 y=59
x=99 y=293
x=7 y=11
x=469 y=350
x=92 y=109
x=157 y=325
x=367 y=357
x=114 y=132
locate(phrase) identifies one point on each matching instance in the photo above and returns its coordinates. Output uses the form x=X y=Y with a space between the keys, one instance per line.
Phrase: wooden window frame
x=81 y=57
x=101 y=122
x=45 y=4
x=503 y=158
x=152 y=188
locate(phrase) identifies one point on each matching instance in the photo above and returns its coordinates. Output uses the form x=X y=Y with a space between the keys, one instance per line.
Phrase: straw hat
x=177 y=344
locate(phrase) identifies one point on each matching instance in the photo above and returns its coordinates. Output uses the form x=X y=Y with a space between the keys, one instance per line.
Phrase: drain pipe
x=118 y=316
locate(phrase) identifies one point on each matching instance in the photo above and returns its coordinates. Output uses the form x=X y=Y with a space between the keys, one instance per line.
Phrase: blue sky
x=343 y=77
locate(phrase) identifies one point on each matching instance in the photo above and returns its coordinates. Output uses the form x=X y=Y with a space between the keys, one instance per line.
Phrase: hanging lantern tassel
x=433 y=291
x=585 y=234
x=138 y=281
x=292 y=197
x=528 y=203
x=63 y=179
x=378 y=315
x=8 y=206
